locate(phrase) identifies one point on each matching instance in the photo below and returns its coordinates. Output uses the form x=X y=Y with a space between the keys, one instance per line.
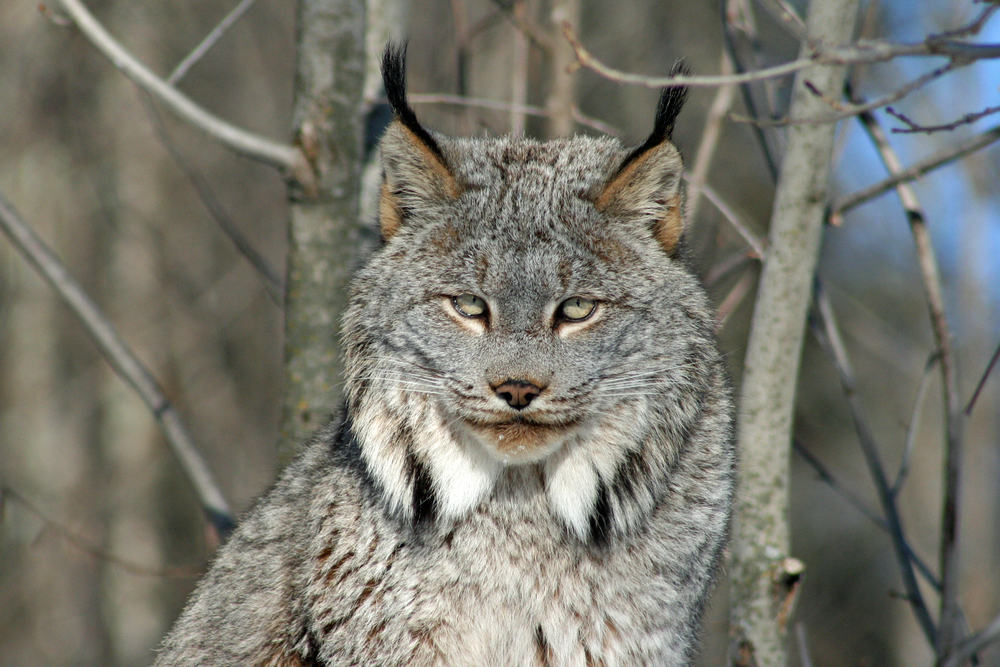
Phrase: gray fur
x=410 y=532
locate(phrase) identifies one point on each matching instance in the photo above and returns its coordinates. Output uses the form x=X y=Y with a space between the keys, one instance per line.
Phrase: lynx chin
x=535 y=463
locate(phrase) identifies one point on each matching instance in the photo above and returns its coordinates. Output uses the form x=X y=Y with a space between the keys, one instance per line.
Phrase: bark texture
x=763 y=578
x=324 y=227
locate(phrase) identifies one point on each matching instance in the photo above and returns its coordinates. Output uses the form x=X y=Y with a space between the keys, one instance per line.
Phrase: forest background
x=101 y=538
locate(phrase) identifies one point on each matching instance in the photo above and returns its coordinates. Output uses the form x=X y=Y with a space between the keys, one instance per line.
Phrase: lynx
x=535 y=461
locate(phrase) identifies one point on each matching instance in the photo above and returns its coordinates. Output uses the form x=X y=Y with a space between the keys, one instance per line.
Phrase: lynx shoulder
x=535 y=461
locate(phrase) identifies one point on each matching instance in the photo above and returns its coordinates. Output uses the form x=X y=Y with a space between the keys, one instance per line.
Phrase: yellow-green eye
x=576 y=308
x=469 y=305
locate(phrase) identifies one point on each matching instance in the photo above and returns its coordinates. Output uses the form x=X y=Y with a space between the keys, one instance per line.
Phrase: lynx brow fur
x=535 y=462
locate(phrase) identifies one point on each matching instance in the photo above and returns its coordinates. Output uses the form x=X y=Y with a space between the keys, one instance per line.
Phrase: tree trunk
x=324 y=228
x=763 y=578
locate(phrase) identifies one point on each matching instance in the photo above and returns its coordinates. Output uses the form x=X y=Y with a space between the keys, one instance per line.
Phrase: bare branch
x=283 y=156
x=210 y=40
x=787 y=16
x=710 y=137
x=462 y=38
x=515 y=15
x=861 y=52
x=949 y=632
x=805 y=658
x=519 y=71
x=562 y=91
x=977 y=24
x=756 y=244
x=982 y=381
x=458 y=100
x=972 y=645
x=273 y=283
x=846 y=111
x=74 y=539
x=585 y=59
x=967 y=119
x=930 y=163
x=125 y=364
x=743 y=44
x=734 y=298
x=911 y=429
x=824 y=475
x=827 y=332
x=730 y=264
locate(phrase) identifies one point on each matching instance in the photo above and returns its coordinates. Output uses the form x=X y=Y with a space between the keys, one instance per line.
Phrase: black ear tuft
x=671 y=101
x=669 y=106
x=394 y=80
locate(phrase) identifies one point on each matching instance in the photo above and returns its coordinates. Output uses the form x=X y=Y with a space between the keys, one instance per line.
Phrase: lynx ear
x=416 y=173
x=647 y=184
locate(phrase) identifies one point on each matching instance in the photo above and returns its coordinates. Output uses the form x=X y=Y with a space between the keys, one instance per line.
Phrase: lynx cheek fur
x=535 y=465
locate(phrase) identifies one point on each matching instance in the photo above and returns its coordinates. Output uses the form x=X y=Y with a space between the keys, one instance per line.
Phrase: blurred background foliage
x=101 y=538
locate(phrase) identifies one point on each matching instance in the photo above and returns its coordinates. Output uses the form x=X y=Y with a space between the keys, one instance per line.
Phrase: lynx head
x=528 y=308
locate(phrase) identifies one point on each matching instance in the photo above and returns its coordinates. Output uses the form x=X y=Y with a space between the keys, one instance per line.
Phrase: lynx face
x=527 y=309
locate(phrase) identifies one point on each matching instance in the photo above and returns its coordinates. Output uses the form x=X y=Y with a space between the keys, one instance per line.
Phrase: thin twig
x=210 y=40
x=824 y=475
x=710 y=136
x=125 y=364
x=846 y=111
x=927 y=260
x=458 y=100
x=734 y=298
x=540 y=38
x=743 y=46
x=805 y=658
x=913 y=127
x=756 y=244
x=273 y=283
x=283 y=156
x=730 y=264
x=911 y=429
x=828 y=334
x=461 y=24
x=972 y=645
x=74 y=539
x=861 y=52
x=977 y=24
x=982 y=382
x=562 y=82
x=519 y=72
x=585 y=59
x=930 y=163
x=787 y=16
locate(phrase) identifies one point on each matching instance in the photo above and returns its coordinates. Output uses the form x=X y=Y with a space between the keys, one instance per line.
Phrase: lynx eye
x=469 y=305
x=576 y=308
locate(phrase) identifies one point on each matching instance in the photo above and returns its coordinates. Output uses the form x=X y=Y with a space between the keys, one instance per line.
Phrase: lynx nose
x=517 y=393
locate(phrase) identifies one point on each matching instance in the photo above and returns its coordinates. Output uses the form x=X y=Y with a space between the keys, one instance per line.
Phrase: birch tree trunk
x=324 y=227
x=763 y=578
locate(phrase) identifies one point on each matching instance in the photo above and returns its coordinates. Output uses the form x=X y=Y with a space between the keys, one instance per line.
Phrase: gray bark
x=324 y=227
x=762 y=587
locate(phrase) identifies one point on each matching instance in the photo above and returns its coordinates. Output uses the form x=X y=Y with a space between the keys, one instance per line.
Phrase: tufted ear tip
x=671 y=102
x=646 y=185
x=416 y=171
